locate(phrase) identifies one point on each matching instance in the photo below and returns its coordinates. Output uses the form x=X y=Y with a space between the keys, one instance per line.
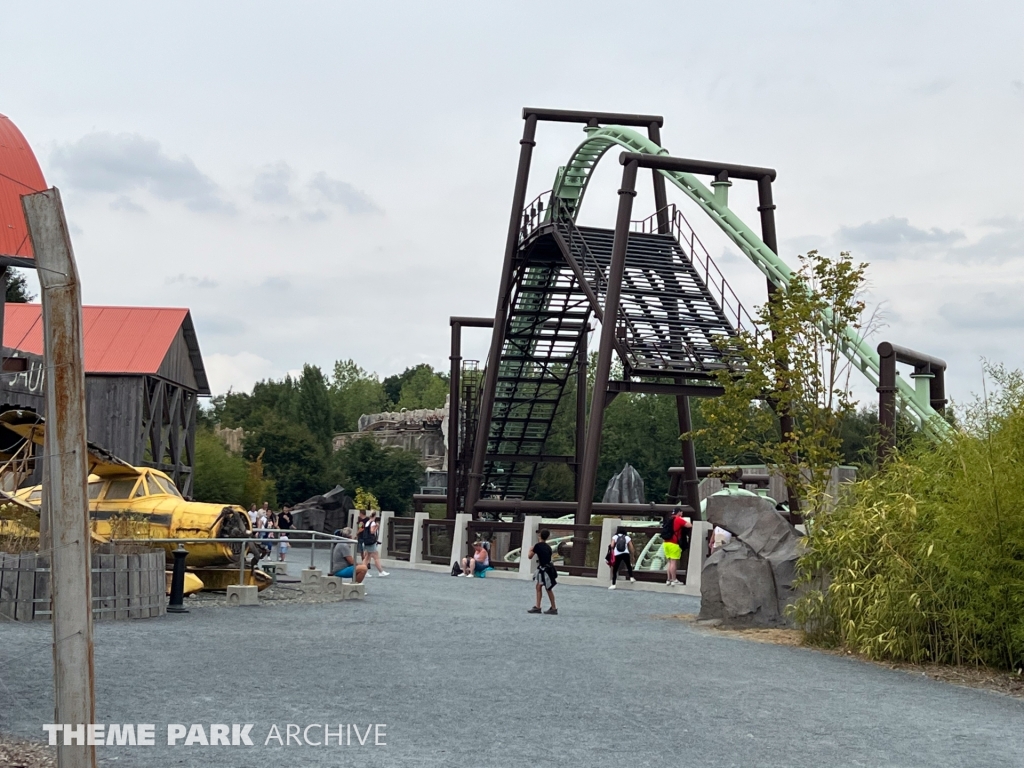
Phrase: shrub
x=925 y=560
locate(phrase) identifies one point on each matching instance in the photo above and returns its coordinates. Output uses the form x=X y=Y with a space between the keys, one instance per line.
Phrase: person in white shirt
x=721 y=538
x=622 y=549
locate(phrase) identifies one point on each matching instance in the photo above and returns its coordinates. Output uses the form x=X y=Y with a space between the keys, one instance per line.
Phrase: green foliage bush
x=924 y=561
x=220 y=476
x=390 y=474
x=292 y=456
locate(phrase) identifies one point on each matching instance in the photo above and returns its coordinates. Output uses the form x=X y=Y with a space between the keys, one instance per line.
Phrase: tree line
x=289 y=424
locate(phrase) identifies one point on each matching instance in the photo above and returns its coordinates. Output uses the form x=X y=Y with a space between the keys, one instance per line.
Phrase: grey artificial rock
x=626 y=487
x=737 y=586
x=750 y=580
x=325 y=513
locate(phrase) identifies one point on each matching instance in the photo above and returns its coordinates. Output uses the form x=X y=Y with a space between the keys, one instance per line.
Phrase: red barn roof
x=120 y=340
x=19 y=175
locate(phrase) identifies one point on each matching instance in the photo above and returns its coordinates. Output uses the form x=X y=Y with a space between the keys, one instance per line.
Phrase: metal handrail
x=314 y=535
x=679 y=226
x=533 y=214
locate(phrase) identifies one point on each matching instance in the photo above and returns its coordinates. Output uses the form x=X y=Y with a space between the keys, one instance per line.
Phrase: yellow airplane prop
x=127 y=502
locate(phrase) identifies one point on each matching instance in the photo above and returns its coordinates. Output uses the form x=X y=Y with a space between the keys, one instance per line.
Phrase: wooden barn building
x=143 y=377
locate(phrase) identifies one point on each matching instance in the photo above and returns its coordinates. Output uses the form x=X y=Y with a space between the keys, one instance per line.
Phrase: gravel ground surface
x=461 y=675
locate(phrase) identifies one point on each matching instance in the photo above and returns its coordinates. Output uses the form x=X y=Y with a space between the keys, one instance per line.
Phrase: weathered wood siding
x=177 y=365
x=125 y=585
x=113 y=414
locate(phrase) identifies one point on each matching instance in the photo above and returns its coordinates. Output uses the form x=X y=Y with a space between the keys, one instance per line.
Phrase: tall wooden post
x=66 y=459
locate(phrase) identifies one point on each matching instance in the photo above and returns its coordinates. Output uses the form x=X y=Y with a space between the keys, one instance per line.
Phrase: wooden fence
x=126 y=584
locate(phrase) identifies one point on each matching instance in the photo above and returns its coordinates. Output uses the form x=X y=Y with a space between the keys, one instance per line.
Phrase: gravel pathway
x=462 y=676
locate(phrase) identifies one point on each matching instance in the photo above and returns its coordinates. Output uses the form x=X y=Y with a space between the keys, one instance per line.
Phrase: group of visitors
x=675 y=539
x=365 y=548
x=273 y=527
x=544 y=578
x=675 y=535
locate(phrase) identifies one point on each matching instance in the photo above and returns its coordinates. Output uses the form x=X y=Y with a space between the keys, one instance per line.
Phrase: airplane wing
x=30 y=426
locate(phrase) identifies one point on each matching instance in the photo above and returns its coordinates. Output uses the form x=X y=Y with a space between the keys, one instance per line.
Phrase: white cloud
x=273 y=184
x=237 y=371
x=125 y=162
x=986 y=310
x=342 y=193
x=892 y=237
x=192 y=281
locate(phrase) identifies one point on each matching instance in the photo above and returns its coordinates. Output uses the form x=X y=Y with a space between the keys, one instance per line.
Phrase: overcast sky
x=330 y=180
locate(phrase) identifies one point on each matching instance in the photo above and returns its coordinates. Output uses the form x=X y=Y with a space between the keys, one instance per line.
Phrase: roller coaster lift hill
x=663 y=306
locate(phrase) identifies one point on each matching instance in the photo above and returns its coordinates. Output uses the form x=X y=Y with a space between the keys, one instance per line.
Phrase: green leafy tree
x=807 y=324
x=292 y=457
x=354 y=392
x=423 y=389
x=390 y=474
x=18 y=291
x=258 y=487
x=218 y=475
x=239 y=409
x=424 y=392
x=315 y=404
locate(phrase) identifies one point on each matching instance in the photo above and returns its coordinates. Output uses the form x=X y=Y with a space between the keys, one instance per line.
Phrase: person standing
x=253 y=515
x=371 y=545
x=622 y=548
x=673 y=535
x=271 y=532
x=360 y=526
x=284 y=520
x=546 y=577
x=261 y=533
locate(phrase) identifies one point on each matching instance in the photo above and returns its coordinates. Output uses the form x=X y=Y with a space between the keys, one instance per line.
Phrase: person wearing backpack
x=674 y=532
x=368 y=538
x=622 y=550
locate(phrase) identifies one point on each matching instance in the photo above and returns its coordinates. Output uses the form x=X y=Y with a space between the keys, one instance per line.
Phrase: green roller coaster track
x=571 y=184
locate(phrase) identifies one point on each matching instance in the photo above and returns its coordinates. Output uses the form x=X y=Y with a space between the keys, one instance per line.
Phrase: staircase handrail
x=712 y=276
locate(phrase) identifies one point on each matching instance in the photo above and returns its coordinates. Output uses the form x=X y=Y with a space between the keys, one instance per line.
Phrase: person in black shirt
x=284 y=520
x=545 y=578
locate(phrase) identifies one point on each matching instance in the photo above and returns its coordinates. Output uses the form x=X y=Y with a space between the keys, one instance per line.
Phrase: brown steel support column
x=886 y=401
x=476 y=473
x=581 y=409
x=691 y=483
x=454 y=401
x=660 y=195
x=936 y=390
x=592 y=453
x=766 y=206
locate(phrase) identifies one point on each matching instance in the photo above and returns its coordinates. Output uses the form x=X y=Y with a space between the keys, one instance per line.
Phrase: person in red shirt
x=673 y=543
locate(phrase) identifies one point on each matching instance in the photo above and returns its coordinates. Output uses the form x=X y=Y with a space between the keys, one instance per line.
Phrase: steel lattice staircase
x=670 y=324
